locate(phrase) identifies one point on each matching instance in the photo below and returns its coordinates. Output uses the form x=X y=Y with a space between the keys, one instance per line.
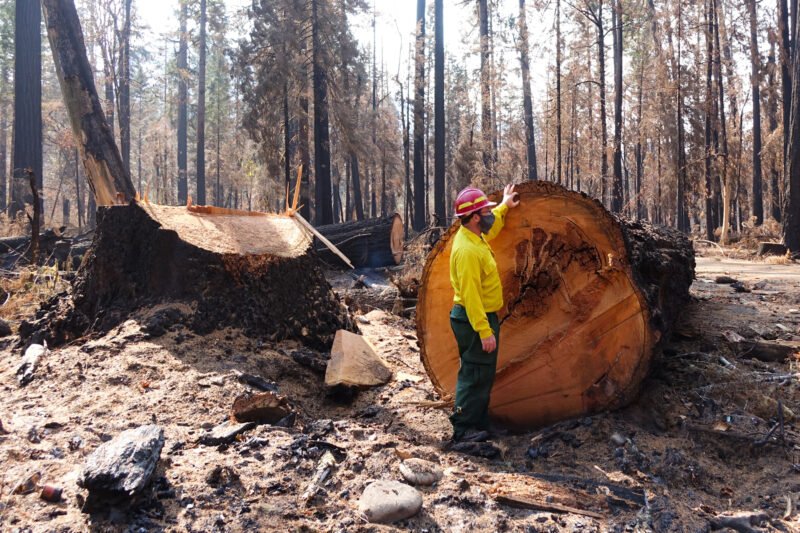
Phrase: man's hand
x=489 y=343
x=510 y=198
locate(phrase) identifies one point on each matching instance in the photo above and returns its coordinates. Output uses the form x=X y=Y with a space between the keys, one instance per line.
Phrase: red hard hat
x=470 y=200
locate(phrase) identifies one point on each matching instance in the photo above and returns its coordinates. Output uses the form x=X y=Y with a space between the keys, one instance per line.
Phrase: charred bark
x=438 y=127
x=183 y=74
x=530 y=141
x=419 y=125
x=201 y=110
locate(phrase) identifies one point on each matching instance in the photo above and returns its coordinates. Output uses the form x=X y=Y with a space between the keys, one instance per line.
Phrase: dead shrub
x=24 y=290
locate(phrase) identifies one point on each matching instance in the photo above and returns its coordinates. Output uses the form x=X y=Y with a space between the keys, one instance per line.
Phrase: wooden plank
x=304 y=223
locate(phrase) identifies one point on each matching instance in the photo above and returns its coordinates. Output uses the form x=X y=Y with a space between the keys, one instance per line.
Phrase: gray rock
x=389 y=501
x=420 y=472
x=122 y=467
x=5 y=328
x=30 y=361
x=618 y=439
x=225 y=433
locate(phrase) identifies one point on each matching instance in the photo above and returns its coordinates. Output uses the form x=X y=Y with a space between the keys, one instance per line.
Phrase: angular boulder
x=354 y=363
x=122 y=467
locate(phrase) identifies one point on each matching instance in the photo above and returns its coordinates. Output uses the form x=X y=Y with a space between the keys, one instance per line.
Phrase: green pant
x=476 y=375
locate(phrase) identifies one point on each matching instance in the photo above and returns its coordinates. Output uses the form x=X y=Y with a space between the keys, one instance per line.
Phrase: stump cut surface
x=227 y=231
x=575 y=336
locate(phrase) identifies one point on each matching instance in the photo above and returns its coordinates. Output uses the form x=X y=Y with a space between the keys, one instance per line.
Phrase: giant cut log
x=588 y=297
x=226 y=268
x=375 y=242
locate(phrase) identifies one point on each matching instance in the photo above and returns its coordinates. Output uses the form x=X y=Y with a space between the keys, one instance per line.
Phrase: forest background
x=670 y=111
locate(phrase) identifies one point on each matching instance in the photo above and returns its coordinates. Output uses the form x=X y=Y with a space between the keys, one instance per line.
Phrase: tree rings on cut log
x=585 y=303
x=237 y=269
x=373 y=243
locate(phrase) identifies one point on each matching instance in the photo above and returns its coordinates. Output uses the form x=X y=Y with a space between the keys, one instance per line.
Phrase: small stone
x=618 y=439
x=225 y=433
x=75 y=443
x=420 y=472
x=33 y=435
x=5 y=328
x=222 y=476
x=57 y=453
x=27 y=485
x=320 y=428
x=725 y=280
x=362 y=319
x=389 y=501
x=477 y=449
x=257 y=382
x=739 y=287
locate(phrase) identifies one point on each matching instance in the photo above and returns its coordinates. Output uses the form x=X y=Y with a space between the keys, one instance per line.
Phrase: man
x=478 y=297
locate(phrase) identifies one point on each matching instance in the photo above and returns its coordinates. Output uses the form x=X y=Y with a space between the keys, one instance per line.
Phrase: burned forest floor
x=713 y=434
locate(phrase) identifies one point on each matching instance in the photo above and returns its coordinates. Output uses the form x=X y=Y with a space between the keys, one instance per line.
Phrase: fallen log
x=526 y=503
x=771 y=248
x=741 y=523
x=22 y=244
x=588 y=297
x=372 y=243
x=767 y=351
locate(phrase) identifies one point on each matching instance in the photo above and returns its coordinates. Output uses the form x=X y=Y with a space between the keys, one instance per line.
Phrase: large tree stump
x=240 y=270
x=375 y=242
x=588 y=296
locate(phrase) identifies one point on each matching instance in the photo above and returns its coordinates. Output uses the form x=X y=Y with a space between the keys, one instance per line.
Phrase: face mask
x=486 y=223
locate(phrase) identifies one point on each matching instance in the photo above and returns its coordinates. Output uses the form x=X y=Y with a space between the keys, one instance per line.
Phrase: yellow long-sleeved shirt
x=474 y=276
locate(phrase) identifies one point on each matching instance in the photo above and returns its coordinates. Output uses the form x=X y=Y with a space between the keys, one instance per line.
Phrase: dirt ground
x=696 y=443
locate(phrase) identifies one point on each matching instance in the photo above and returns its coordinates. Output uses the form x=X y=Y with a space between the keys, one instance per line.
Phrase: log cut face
x=577 y=332
x=252 y=272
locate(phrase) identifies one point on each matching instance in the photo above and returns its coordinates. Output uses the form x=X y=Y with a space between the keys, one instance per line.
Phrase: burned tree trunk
x=374 y=242
x=227 y=268
x=588 y=297
x=108 y=178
